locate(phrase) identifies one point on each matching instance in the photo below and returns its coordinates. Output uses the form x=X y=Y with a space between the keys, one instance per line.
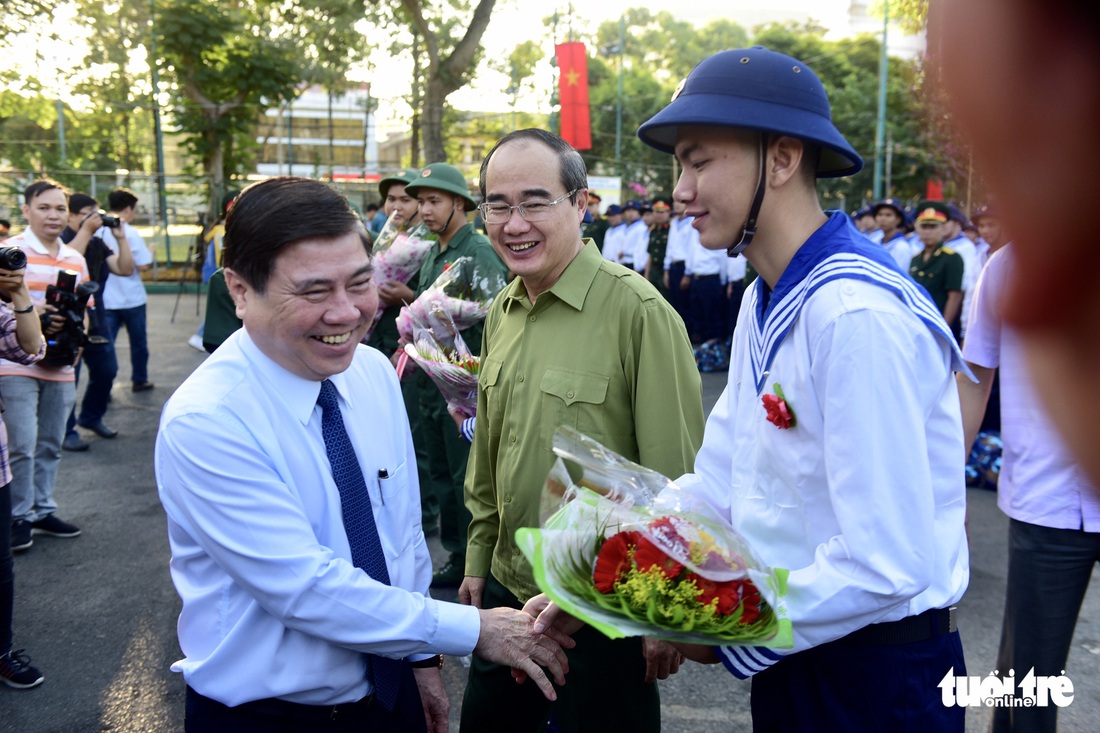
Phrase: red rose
x=648 y=555
x=613 y=560
x=778 y=412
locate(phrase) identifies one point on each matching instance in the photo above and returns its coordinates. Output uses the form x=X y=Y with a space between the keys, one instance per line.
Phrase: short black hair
x=121 y=199
x=574 y=175
x=78 y=201
x=40 y=186
x=272 y=214
x=372 y=207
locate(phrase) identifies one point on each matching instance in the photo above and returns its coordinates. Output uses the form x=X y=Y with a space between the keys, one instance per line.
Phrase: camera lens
x=12 y=258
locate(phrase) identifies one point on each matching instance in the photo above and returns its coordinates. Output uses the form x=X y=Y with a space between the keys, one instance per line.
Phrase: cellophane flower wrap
x=398 y=254
x=464 y=291
x=440 y=351
x=620 y=549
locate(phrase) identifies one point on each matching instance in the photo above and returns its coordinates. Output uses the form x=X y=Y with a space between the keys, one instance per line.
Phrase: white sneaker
x=195 y=342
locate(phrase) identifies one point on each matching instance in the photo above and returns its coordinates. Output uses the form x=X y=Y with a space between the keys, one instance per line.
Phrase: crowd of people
x=287 y=461
x=79 y=267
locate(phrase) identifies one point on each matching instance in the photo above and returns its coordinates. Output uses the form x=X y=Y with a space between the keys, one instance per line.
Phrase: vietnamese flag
x=576 y=124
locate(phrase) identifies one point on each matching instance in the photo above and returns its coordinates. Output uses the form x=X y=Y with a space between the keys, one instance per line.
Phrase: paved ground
x=97 y=613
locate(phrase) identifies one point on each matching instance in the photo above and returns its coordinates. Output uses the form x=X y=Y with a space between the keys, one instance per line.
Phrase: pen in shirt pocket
x=382 y=474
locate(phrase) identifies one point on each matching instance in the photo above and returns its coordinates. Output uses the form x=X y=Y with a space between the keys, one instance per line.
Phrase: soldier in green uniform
x=595 y=229
x=444 y=199
x=398 y=204
x=938 y=268
x=658 y=244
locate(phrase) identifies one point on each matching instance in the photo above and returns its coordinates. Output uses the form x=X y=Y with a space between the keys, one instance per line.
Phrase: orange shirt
x=42 y=269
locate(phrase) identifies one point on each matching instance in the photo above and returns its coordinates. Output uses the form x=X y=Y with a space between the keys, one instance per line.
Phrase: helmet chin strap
x=749 y=230
x=445 y=224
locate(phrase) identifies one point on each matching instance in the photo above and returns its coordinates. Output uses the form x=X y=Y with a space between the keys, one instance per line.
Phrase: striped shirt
x=42 y=270
x=10 y=349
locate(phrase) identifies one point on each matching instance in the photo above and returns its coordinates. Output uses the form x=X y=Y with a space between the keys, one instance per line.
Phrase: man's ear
x=582 y=203
x=784 y=158
x=239 y=290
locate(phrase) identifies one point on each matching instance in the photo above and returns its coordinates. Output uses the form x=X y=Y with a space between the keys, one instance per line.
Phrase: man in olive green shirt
x=443 y=203
x=573 y=340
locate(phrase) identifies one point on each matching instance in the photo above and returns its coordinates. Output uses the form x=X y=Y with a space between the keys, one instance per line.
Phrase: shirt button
x=512 y=439
x=520 y=377
x=849 y=289
x=532 y=319
x=569 y=395
x=507 y=498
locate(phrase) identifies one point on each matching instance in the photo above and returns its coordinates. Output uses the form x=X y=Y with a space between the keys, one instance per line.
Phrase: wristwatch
x=429 y=663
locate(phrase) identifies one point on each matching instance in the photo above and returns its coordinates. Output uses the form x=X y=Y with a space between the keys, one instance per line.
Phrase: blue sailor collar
x=836 y=250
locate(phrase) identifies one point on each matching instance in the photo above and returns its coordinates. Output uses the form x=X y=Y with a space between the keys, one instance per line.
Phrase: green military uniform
x=602 y=352
x=446 y=450
x=385 y=338
x=658 y=243
x=595 y=230
x=221 y=313
x=942 y=273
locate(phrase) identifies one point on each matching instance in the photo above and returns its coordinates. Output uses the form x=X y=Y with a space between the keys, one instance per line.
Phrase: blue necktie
x=366 y=549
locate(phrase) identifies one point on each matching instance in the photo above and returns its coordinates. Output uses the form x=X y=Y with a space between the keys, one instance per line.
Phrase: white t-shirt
x=126 y=291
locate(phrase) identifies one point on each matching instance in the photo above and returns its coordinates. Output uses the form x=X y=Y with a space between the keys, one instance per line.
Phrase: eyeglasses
x=530 y=210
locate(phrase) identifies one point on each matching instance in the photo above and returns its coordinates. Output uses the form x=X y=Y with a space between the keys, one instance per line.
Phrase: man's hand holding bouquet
x=619 y=549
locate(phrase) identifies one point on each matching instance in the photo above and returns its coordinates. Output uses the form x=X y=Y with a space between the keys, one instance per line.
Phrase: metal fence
x=185 y=198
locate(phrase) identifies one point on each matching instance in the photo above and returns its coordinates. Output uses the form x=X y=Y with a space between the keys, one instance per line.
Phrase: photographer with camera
x=123 y=297
x=20 y=340
x=38 y=398
x=86 y=233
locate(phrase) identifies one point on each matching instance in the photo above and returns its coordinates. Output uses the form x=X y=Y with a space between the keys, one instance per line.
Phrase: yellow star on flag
x=571 y=77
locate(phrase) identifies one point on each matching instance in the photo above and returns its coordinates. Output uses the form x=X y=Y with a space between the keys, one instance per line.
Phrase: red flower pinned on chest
x=779 y=412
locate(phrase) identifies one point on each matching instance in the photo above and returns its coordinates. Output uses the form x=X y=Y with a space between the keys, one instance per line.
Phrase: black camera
x=12 y=258
x=71 y=300
x=111 y=222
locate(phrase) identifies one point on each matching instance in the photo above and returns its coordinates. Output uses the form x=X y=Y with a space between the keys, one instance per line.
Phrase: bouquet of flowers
x=627 y=555
x=398 y=254
x=440 y=351
x=463 y=291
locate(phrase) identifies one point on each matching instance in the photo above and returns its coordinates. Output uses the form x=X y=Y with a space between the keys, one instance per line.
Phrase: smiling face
x=720 y=170
x=317 y=305
x=47 y=214
x=538 y=252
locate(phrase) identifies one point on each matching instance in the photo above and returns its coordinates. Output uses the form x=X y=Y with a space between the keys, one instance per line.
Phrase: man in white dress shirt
x=280 y=629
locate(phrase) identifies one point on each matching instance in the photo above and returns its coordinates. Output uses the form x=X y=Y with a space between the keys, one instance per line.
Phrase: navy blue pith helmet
x=894 y=204
x=755 y=89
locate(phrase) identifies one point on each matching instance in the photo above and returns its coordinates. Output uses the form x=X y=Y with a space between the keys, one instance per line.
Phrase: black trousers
x=204 y=715
x=843 y=686
x=605 y=690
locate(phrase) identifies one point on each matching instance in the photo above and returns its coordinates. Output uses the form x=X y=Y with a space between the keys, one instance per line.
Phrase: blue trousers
x=708 y=305
x=1048 y=573
x=134 y=320
x=7 y=571
x=842 y=686
x=102 y=369
x=680 y=299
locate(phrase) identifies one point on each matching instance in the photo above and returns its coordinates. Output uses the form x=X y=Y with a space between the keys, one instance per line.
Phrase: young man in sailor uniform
x=865 y=362
x=873 y=538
